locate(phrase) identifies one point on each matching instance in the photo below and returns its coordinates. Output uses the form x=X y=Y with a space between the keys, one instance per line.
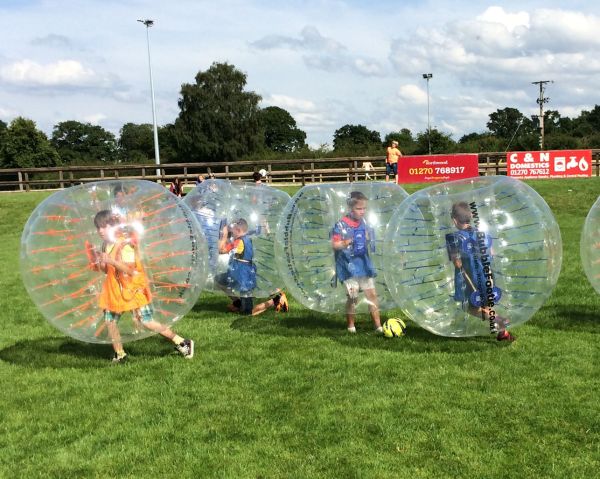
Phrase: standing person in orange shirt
x=126 y=286
x=391 y=160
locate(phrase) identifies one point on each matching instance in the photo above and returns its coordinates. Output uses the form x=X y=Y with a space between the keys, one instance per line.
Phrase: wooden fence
x=279 y=171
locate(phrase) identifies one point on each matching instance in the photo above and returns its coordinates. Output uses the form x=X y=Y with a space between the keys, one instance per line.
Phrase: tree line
x=219 y=120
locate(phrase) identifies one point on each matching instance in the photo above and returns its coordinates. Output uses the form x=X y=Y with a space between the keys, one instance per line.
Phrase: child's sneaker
x=379 y=330
x=119 y=358
x=505 y=336
x=352 y=329
x=281 y=303
x=186 y=348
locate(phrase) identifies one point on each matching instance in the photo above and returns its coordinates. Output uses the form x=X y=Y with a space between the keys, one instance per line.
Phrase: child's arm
x=338 y=244
x=127 y=268
x=223 y=240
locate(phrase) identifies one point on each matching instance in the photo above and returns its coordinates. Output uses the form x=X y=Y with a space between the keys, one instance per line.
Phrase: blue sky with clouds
x=329 y=63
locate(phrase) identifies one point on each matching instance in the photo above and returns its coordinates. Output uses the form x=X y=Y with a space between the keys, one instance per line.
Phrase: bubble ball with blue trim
x=590 y=245
x=320 y=216
x=473 y=257
x=219 y=204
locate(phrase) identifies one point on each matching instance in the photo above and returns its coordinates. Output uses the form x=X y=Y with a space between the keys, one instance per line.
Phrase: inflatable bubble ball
x=119 y=246
x=590 y=245
x=218 y=206
x=330 y=244
x=473 y=257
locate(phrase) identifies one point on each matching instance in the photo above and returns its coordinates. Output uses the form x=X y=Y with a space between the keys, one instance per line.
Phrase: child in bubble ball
x=126 y=287
x=351 y=240
x=469 y=249
x=241 y=272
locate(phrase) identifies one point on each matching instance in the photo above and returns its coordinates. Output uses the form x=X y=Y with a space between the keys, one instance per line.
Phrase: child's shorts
x=143 y=314
x=391 y=169
x=355 y=285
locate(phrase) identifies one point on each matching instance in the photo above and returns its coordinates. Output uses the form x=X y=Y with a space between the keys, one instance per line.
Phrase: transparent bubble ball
x=455 y=280
x=590 y=245
x=304 y=253
x=219 y=203
x=60 y=248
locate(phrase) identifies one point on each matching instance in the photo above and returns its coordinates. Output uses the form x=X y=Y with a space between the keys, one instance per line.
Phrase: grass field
x=294 y=396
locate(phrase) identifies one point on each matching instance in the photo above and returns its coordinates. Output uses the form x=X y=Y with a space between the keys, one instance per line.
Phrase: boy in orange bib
x=126 y=287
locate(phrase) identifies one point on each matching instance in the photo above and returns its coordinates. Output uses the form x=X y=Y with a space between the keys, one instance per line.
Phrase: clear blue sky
x=329 y=63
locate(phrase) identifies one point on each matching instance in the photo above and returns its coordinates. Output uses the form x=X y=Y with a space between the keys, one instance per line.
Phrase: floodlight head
x=147 y=22
x=427 y=76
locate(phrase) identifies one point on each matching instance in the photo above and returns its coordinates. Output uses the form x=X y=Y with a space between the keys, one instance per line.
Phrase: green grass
x=293 y=396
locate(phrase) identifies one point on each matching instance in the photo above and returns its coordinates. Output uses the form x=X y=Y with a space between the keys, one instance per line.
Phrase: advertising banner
x=432 y=168
x=549 y=164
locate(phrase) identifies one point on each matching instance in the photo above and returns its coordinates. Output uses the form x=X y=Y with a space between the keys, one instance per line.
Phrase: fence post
x=312 y=171
x=20 y=175
x=355 y=164
x=303 y=178
x=27 y=182
x=60 y=177
x=143 y=172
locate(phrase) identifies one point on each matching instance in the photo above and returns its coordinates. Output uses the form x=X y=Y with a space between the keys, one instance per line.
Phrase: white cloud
x=412 y=94
x=94 y=118
x=289 y=103
x=511 y=21
x=322 y=53
x=61 y=73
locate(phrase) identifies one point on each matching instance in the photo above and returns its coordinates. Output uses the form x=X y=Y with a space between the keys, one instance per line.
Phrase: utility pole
x=540 y=101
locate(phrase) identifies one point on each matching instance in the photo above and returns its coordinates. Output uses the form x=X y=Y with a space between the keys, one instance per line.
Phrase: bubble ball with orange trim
x=69 y=236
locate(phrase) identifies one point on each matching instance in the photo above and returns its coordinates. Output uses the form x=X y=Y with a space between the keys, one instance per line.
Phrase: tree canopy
x=355 y=138
x=83 y=143
x=24 y=146
x=281 y=132
x=218 y=119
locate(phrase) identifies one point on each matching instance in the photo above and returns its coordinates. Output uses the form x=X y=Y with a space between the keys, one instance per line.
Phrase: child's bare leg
x=161 y=329
x=350 y=312
x=115 y=336
x=373 y=303
x=262 y=307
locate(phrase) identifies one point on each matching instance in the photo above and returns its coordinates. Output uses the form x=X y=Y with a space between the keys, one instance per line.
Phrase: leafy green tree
x=136 y=143
x=440 y=142
x=561 y=141
x=83 y=143
x=167 y=142
x=504 y=123
x=356 y=139
x=3 y=129
x=281 y=132
x=404 y=137
x=552 y=122
x=218 y=121
x=24 y=146
x=479 y=142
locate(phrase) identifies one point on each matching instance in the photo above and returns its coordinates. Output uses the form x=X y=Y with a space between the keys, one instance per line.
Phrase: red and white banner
x=549 y=164
x=432 y=168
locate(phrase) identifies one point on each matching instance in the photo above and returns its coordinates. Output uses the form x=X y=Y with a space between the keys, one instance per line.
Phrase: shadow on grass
x=416 y=340
x=63 y=352
x=572 y=318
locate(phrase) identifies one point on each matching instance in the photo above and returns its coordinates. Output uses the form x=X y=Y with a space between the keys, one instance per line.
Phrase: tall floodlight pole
x=148 y=24
x=540 y=101
x=427 y=77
